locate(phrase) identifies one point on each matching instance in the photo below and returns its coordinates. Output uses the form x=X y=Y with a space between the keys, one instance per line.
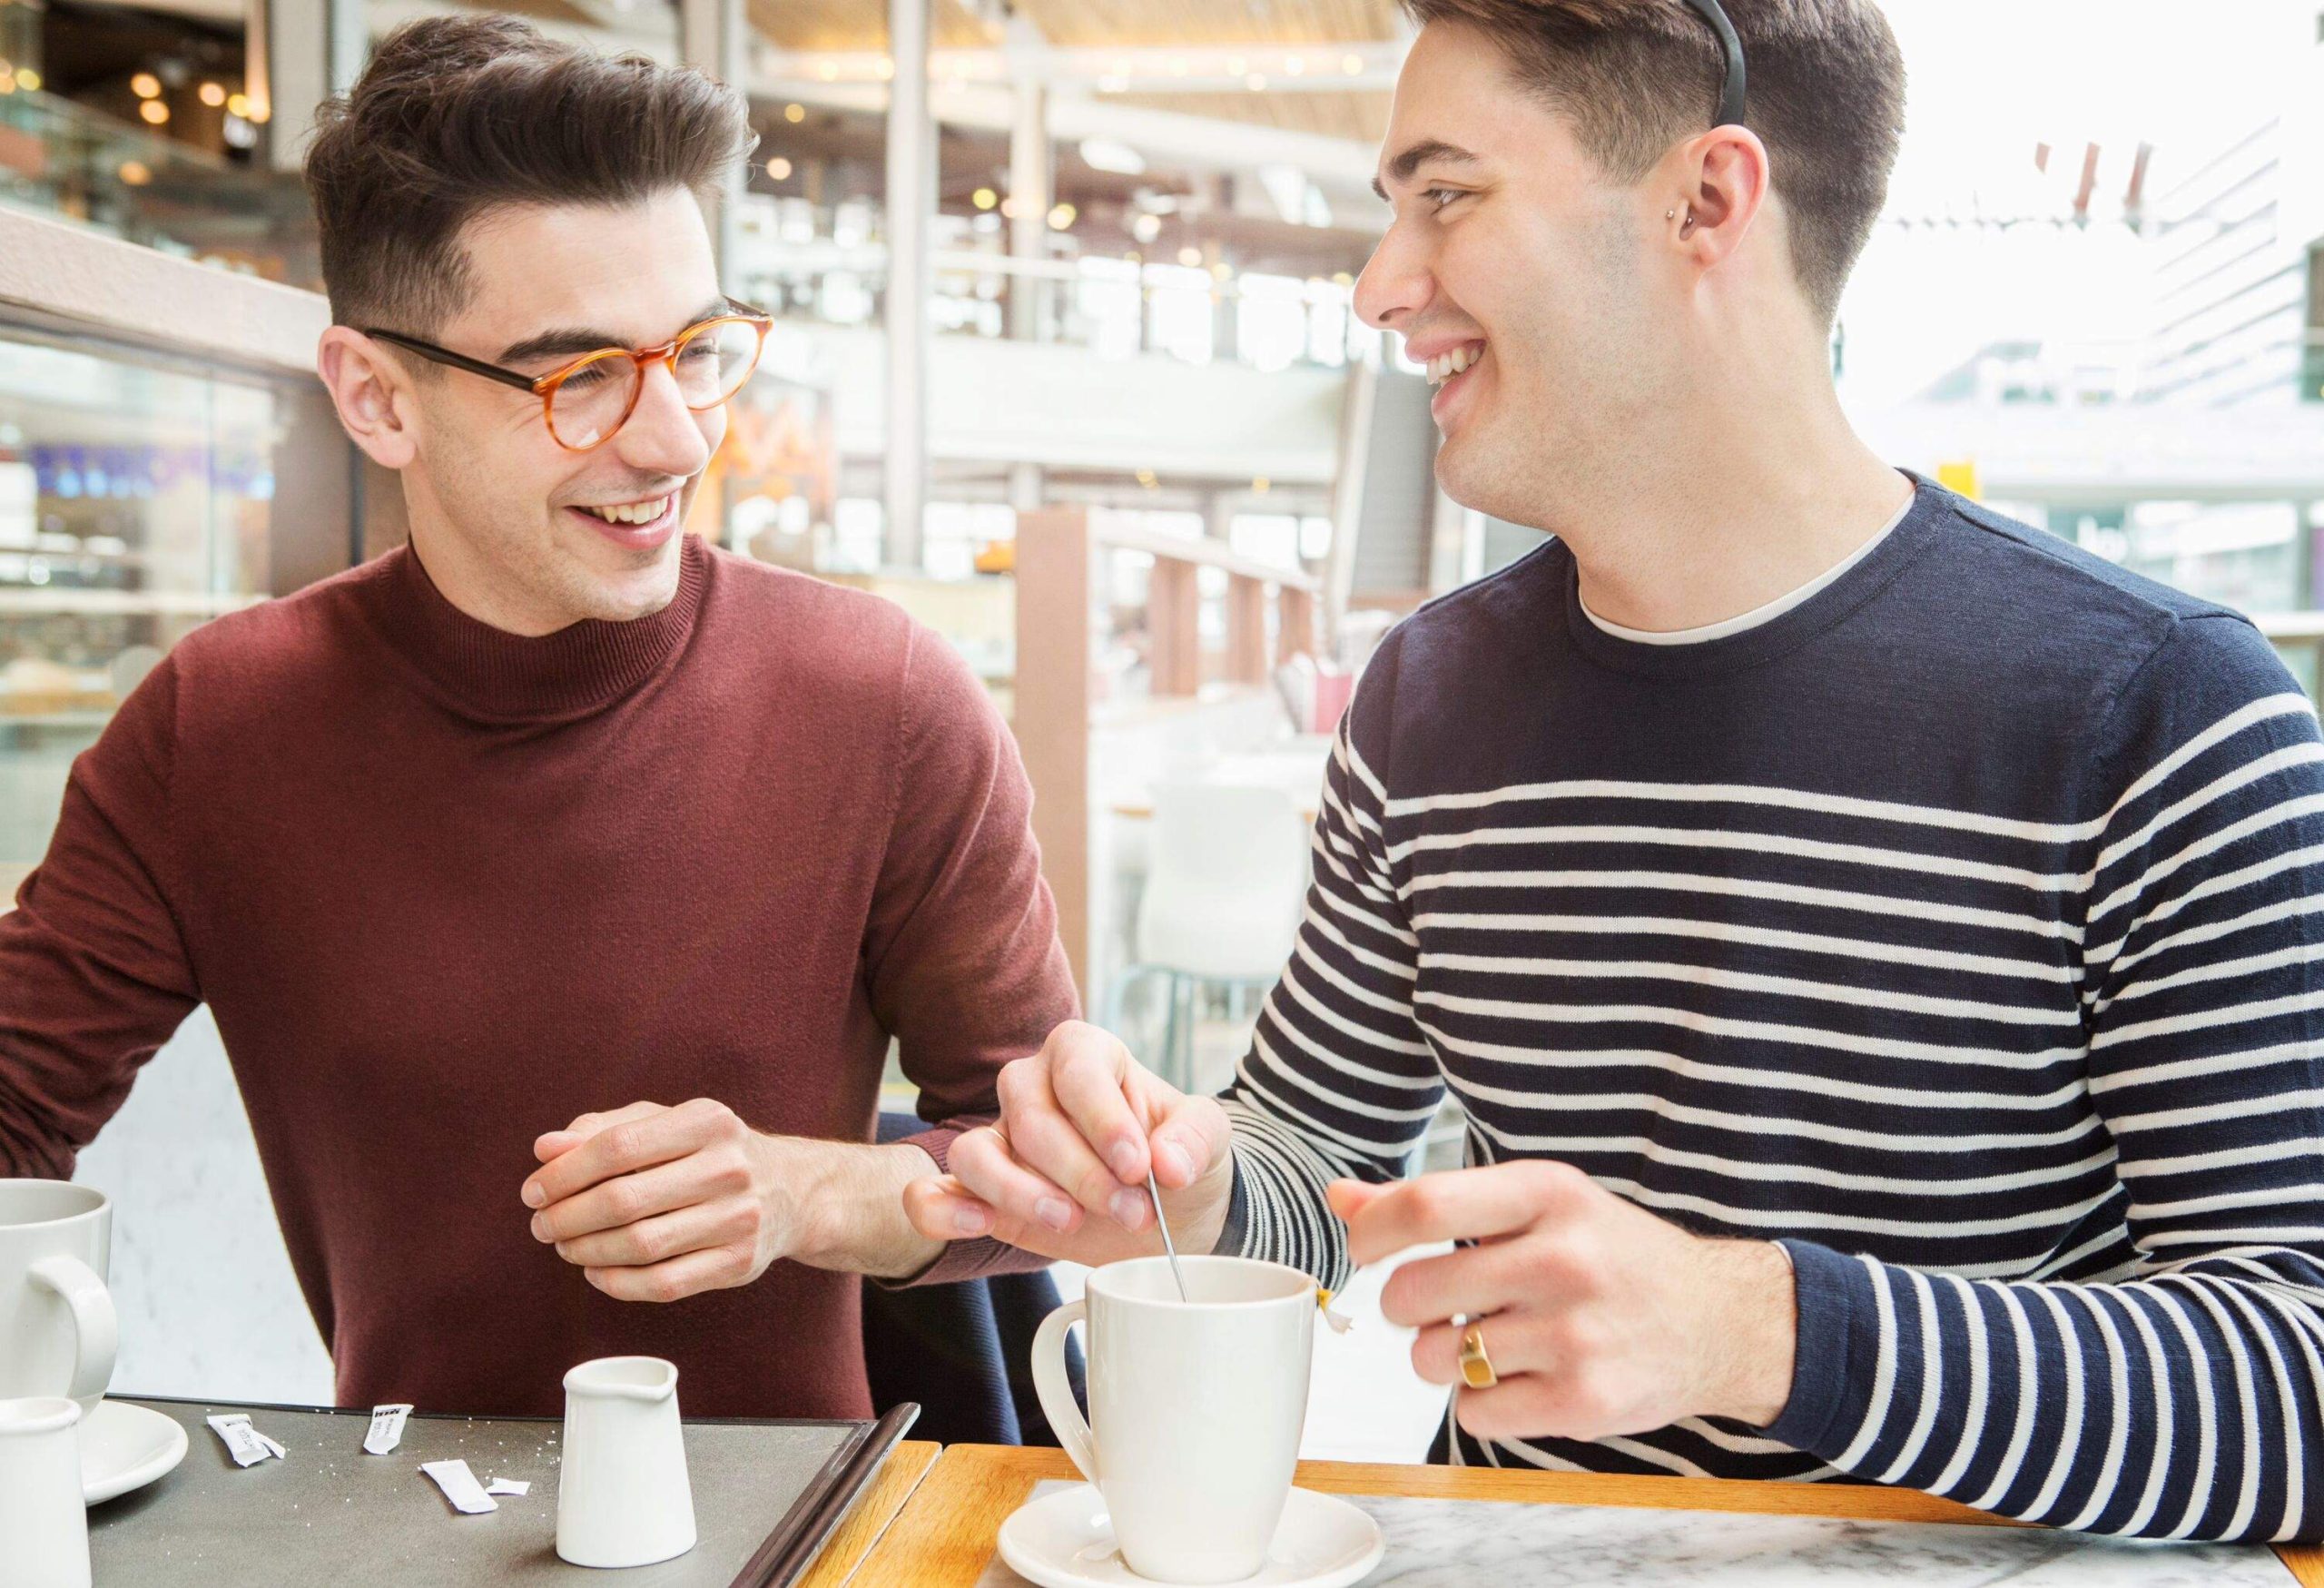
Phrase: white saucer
x=1065 y=1540
x=125 y=1447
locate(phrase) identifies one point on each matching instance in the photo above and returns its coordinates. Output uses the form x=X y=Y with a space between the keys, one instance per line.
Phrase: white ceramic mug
x=57 y=1328
x=44 y=1525
x=622 y=1495
x=1195 y=1407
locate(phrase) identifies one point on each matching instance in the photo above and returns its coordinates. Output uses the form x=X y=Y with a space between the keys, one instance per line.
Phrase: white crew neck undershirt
x=1757 y=615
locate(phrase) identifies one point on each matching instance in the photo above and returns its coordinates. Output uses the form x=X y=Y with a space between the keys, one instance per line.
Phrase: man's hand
x=1063 y=1172
x=655 y=1203
x=1600 y=1318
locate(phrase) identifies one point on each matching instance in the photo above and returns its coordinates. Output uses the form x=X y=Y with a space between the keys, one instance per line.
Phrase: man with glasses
x=1878 y=948
x=558 y=884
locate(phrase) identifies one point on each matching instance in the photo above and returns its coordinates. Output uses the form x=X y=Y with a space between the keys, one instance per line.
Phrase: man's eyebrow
x=571 y=341
x=1401 y=169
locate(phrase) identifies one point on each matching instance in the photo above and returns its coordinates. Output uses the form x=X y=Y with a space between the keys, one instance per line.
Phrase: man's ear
x=1720 y=186
x=371 y=393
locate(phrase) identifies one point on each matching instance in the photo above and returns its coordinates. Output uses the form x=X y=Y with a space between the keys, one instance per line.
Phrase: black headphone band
x=1730 y=93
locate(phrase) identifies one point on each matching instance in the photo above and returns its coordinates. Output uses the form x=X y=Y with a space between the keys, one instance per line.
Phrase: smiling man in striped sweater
x=1876 y=944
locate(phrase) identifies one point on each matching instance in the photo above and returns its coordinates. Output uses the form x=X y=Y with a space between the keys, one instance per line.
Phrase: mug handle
x=1056 y=1390
x=96 y=1330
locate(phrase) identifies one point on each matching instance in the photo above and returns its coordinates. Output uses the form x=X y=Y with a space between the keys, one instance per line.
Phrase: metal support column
x=1031 y=193
x=298 y=54
x=714 y=37
x=911 y=201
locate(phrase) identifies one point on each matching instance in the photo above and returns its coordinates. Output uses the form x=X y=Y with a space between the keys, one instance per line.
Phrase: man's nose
x=663 y=435
x=1396 y=283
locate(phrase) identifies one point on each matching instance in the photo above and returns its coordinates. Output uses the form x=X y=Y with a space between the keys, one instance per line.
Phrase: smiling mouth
x=1444 y=367
x=631 y=515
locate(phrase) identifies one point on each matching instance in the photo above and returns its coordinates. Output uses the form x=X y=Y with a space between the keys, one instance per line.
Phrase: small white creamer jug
x=623 y=1498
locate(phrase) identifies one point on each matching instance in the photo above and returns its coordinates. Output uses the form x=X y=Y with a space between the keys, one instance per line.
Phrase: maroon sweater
x=445 y=888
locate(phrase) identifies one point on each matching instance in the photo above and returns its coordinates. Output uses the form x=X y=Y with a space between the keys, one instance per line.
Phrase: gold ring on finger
x=1476 y=1366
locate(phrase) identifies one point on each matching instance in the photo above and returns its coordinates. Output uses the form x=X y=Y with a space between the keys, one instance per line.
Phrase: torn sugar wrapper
x=518 y=1486
x=1341 y=1323
x=459 y=1486
x=245 y=1444
x=386 y=1428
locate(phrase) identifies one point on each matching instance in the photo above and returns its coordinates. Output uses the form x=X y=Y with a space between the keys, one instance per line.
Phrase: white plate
x=1065 y=1540
x=125 y=1447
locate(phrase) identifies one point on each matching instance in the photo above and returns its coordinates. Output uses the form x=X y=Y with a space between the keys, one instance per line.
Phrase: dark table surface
x=330 y=1514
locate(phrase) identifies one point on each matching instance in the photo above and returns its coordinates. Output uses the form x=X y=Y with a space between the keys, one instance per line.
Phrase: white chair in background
x=1224 y=891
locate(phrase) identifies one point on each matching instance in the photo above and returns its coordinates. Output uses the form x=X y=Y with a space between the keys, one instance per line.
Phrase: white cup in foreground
x=44 y=1525
x=1195 y=1407
x=622 y=1495
x=57 y=1328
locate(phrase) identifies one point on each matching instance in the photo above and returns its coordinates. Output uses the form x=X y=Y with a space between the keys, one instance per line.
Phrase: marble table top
x=1456 y=1543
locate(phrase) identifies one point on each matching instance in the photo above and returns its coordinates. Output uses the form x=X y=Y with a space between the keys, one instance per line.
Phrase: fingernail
x=534 y=1195
x=1054 y=1211
x=970 y=1220
x=539 y=1233
x=1128 y=1208
x=1174 y=1157
x=1125 y=1160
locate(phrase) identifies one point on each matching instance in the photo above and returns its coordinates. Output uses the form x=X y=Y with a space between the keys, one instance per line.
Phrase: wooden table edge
x=944 y=1537
x=874 y=1511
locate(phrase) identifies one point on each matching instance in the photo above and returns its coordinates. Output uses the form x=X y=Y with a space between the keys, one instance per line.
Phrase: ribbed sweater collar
x=494 y=676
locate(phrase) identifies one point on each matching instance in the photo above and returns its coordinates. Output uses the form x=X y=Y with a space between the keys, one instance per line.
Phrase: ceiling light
x=1112 y=154
x=145 y=85
x=1235 y=66
x=134 y=173
x=1294 y=66
x=1061 y=217
x=1257 y=82
x=984 y=198
x=1352 y=64
x=1342 y=279
x=1260 y=485
x=779 y=168
x=1190 y=256
x=28 y=80
x=1220 y=271
x=154 y=111
x=885 y=70
x=1010 y=207
x=237 y=105
x=212 y=95
x=1146 y=477
x=828 y=71
x=794 y=114
x=1146 y=228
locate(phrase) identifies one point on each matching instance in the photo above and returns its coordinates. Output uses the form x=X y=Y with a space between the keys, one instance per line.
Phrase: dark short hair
x=1825 y=86
x=457 y=116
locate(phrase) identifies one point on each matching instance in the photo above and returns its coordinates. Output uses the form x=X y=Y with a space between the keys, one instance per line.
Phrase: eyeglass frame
x=545 y=387
x=1732 y=86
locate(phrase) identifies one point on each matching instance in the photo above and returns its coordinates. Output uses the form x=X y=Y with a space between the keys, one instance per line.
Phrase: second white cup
x=1195 y=1407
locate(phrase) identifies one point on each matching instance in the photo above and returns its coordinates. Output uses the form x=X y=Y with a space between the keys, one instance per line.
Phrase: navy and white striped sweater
x=1959 y=927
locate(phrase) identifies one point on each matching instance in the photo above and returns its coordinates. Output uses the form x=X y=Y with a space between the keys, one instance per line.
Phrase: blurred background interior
x=1125 y=445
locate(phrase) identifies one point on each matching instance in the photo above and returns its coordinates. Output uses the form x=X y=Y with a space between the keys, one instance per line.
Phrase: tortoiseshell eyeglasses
x=590 y=398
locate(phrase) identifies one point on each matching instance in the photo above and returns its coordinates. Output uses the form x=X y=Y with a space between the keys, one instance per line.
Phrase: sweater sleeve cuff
x=1235 y=1232
x=961 y=1259
x=1835 y=1352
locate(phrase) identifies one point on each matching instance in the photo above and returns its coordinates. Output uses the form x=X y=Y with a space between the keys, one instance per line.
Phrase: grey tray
x=766 y=1493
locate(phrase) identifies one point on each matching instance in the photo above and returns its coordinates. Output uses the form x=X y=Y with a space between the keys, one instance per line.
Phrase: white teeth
x=636 y=514
x=1444 y=366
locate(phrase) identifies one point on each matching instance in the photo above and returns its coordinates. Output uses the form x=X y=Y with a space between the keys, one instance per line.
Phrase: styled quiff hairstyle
x=457 y=116
x=1825 y=86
